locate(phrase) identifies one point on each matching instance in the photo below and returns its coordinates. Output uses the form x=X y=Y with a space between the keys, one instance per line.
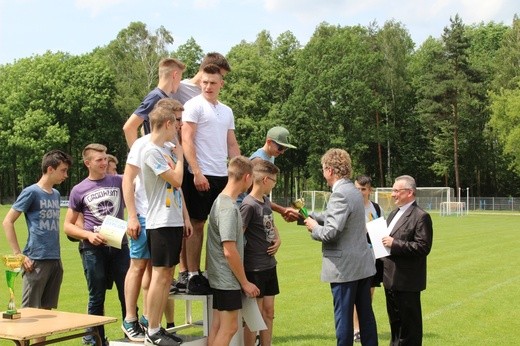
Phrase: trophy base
x=11 y=315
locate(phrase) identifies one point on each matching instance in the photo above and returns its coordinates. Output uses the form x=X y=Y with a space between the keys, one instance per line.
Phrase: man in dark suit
x=410 y=241
x=348 y=262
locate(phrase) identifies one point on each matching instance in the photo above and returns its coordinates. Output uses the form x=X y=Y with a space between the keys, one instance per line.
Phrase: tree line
x=447 y=112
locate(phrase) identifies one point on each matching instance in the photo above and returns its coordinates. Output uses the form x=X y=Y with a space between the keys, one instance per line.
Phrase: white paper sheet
x=377 y=229
x=252 y=315
x=113 y=230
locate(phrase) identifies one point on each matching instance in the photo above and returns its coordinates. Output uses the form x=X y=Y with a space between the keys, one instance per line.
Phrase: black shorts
x=227 y=300
x=165 y=245
x=199 y=203
x=266 y=281
x=377 y=279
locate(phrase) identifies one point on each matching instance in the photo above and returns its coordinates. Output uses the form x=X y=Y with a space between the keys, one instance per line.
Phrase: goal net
x=315 y=200
x=428 y=198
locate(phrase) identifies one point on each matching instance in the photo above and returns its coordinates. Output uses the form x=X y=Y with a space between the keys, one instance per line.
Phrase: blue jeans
x=345 y=295
x=103 y=266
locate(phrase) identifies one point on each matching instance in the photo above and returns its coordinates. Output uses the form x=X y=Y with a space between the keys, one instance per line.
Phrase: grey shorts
x=41 y=287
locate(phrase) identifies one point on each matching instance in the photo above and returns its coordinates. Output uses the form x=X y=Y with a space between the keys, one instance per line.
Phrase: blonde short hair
x=100 y=148
x=238 y=167
x=339 y=161
x=164 y=111
x=167 y=65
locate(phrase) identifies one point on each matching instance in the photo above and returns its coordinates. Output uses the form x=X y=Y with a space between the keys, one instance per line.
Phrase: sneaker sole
x=132 y=338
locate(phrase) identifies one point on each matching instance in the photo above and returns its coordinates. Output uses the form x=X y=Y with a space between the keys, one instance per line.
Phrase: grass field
x=471 y=298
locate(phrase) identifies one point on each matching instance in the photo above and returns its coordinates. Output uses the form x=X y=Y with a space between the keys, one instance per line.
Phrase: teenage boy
x=139 y=273
x=372 y=211
x=40 y=202
x=167 y=219
x=188 y=89
x=98 y=195
x=260 y=234
x=170 y=75
x=276 y=143
x=208 y=137
x=224 y=251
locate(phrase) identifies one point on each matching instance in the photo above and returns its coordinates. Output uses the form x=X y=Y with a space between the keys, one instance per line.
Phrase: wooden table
x=37 y=323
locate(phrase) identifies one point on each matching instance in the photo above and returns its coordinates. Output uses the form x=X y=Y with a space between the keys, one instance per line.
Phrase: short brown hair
x=263 y=168
x=166 y=66
x=112 y=158
x=339 y=161
x=215 y=58
x=54 y=158
x=238 y=167
x=100 y=148
x=211 y=69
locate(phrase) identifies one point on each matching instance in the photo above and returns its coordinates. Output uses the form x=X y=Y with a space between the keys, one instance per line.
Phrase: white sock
x=190 y=274
x=152 y=331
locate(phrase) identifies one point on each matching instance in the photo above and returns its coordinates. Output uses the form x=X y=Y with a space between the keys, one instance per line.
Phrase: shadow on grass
x=324 y=339
x=318 y=339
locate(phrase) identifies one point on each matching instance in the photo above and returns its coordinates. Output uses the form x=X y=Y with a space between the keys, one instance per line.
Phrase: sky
x=32 y=27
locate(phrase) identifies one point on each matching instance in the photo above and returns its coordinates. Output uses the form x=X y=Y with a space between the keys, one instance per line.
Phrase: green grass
x=473 y=281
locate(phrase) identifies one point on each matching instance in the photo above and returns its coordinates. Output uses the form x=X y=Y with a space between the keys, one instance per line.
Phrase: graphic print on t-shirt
x=103 y=201
x=269 y=228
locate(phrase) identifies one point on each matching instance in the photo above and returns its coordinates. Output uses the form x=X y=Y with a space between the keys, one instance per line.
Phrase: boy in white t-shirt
x=167 y=219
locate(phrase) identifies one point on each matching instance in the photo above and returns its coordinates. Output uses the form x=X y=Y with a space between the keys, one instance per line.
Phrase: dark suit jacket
x=405 y=268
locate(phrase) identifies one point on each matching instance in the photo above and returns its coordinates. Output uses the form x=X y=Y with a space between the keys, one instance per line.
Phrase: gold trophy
x=14 y=267
x=300 y=205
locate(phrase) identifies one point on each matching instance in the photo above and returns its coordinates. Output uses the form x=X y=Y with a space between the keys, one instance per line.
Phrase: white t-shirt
x=213 y=123
x=135 y=158
x=164 y=201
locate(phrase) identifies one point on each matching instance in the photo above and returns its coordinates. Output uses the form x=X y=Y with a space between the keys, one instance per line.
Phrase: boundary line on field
x=454 y=305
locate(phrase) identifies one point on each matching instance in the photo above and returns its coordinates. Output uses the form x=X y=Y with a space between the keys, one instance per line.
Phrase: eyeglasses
x=273 y=180
x=279 y=147
x=399 y=190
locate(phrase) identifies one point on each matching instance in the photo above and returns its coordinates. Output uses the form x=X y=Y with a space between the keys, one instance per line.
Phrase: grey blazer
x=342 y=230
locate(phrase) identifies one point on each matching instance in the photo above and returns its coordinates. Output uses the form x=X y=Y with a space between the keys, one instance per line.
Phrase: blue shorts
x=139 y=248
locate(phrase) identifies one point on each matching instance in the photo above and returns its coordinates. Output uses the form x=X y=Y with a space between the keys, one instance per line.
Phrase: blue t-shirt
x=147 y=106
x=42 y=215
x=261 y=154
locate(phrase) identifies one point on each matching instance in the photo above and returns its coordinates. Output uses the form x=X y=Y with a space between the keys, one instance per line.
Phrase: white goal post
x=315 y=200
x=440 y=199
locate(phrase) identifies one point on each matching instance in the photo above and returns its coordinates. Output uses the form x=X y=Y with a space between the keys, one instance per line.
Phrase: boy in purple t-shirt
x=95 y=197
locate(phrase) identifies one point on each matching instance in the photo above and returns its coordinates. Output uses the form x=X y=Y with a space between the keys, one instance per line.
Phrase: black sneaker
x=198 y=285
x=133 y=331
x=162 y=338
x=181 y=283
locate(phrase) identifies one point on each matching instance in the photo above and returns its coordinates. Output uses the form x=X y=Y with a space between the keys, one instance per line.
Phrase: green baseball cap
x=280 y=135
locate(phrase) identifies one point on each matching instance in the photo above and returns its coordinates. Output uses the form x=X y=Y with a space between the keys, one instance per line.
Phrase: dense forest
x=446 y=112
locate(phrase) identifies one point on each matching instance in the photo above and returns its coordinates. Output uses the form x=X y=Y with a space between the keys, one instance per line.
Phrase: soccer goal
x=315 y=200
x=439 y=199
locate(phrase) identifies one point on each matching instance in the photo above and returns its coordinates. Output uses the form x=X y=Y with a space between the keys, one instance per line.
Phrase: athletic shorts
x=199 y=203
x=139 y=248
x=266 y=281
x=227 y=300
x=165 y=246
x=41 y=287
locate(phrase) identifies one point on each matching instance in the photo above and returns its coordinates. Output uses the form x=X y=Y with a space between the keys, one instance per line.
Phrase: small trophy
x=300 y=205
x=14 y=266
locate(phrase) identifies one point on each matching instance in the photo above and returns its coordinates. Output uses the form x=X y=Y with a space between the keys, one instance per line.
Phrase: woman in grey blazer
x=348 y=262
